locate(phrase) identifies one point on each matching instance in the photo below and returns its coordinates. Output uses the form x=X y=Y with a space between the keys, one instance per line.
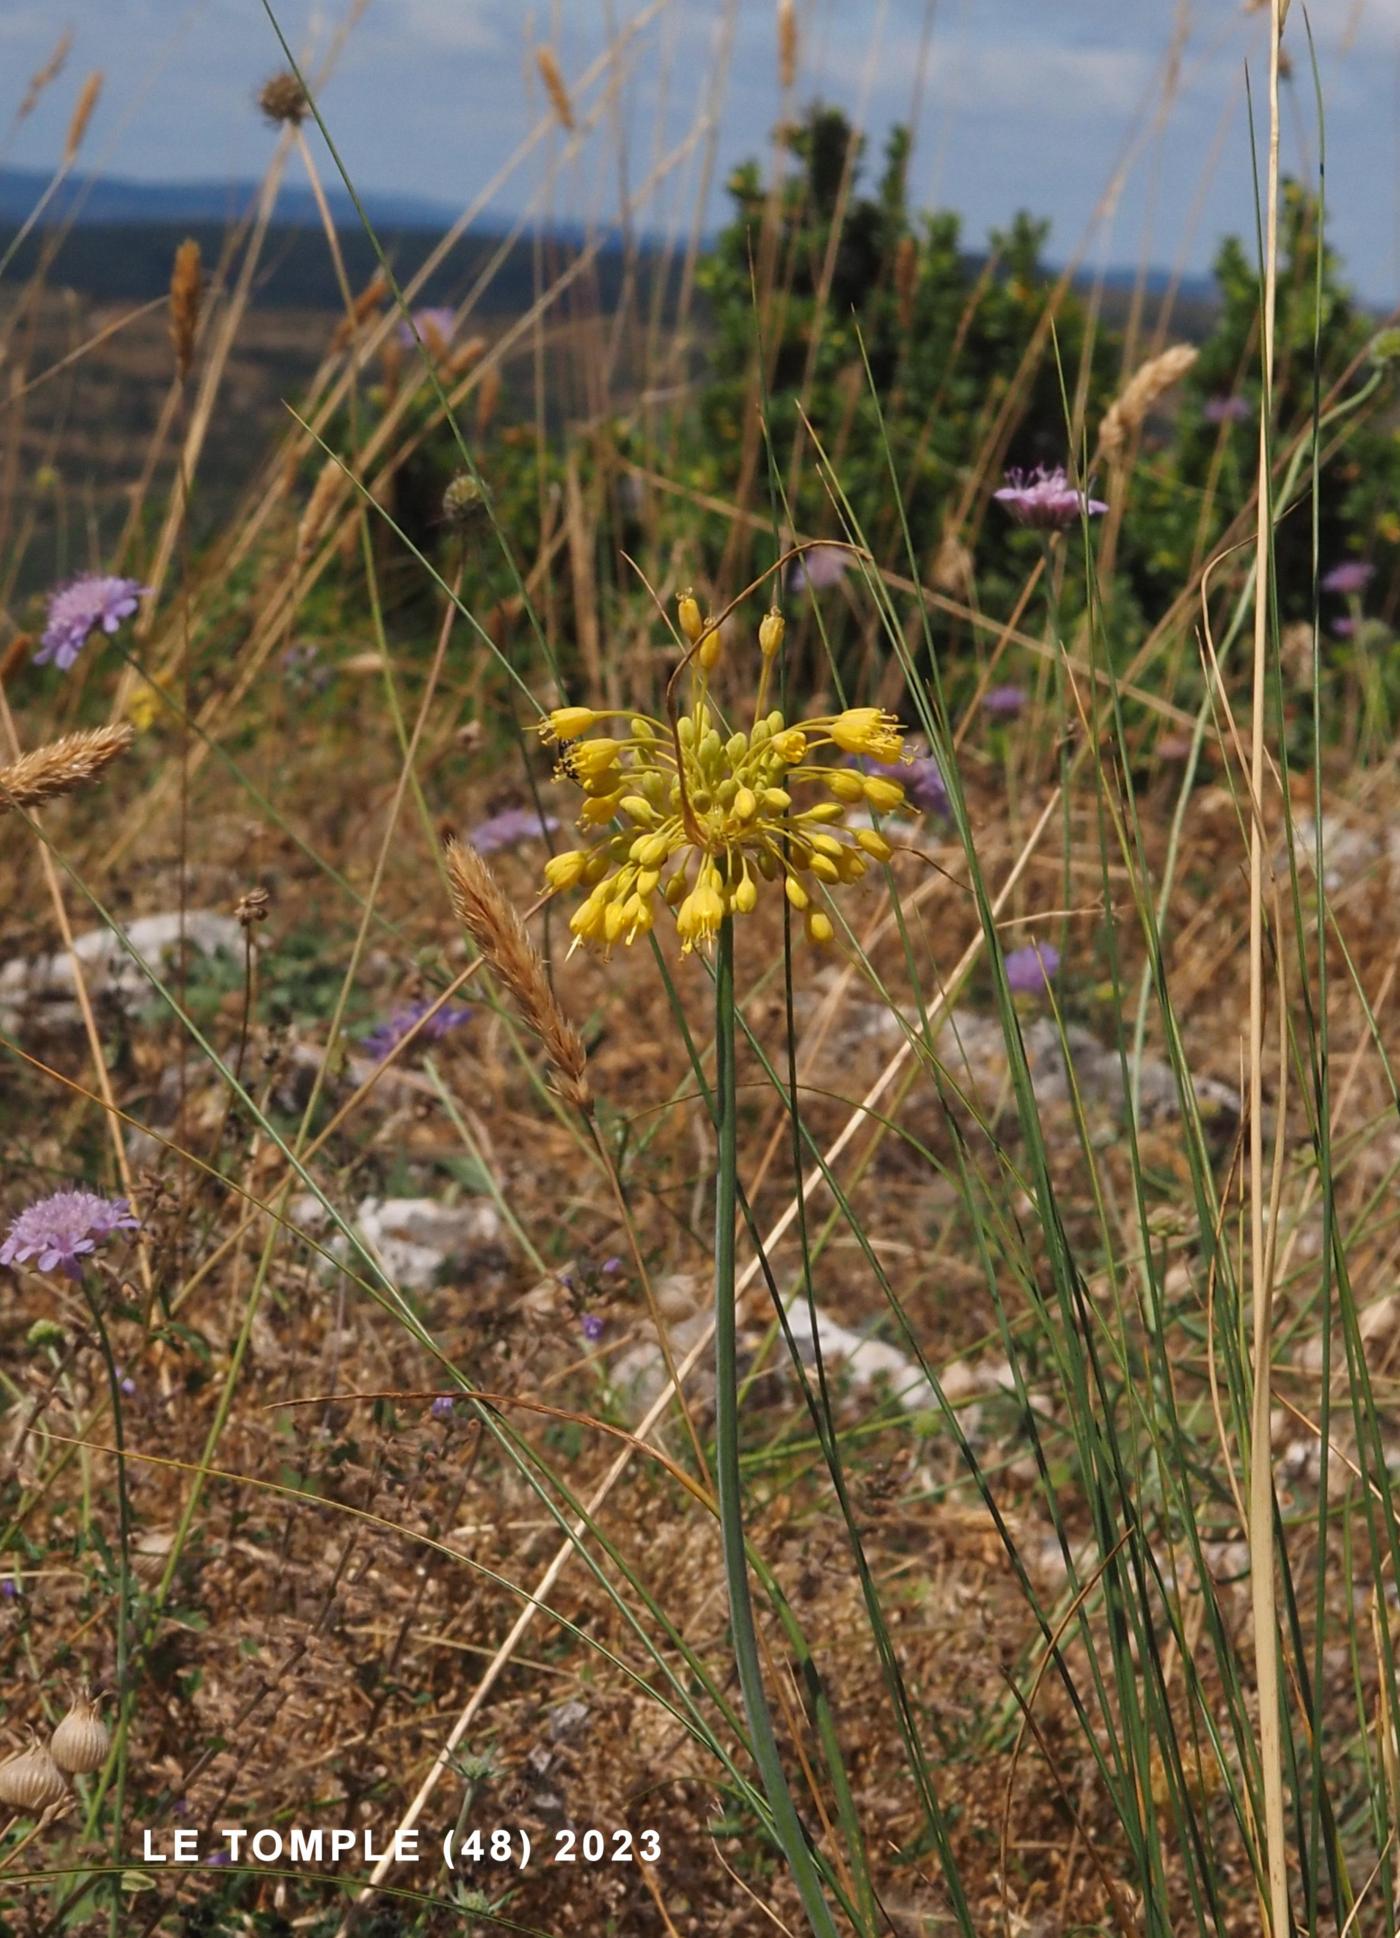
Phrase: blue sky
x=1021 y=103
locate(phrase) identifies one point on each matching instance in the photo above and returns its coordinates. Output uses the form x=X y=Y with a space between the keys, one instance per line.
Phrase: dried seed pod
x=32 y=1782
x=82 y=1740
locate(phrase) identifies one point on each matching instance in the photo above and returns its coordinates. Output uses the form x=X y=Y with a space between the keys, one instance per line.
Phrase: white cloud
x=459 y=26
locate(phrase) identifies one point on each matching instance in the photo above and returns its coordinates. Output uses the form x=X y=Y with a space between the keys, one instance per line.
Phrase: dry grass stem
x=787 y=44
x=499 y=933
x=61 y=766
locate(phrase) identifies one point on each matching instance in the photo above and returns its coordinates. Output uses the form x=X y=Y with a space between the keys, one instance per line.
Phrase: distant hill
x=90 y=199
x=124 y=234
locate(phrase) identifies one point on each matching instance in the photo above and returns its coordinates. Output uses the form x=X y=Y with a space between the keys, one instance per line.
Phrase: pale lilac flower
x=79 y=608
x=443 y=1407
x=610 y=1267
x=819 y=568
x=1225 y=410
x=1349 y=578
x=1045 y=499
x=592 y=1327
x=61 y=1229
x=510 y=827
x=387 y=1036
x=1029 y=970
x=1344 y=628
x=435 y=325
x=1005 y=702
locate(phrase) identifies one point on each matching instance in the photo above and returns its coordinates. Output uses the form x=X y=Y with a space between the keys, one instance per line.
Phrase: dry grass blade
x=60 y=767
x=499 y=933
x=1151 y=381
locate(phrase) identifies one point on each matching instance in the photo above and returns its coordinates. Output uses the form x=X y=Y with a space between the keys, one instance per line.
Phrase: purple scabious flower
x=510 y=827
x=1005 y=702
x=435 y=325
x=1349 y=578
x=77 y=609
x=1046 y=500
x=818 y=569
x=1227 y=409
x=60 y=1230
x=592 y=1327
x=387 y=1036
x=1028 y=970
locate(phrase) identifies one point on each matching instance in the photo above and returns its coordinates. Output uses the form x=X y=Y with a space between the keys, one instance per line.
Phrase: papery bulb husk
x=32 y=1782
x=148 y=1555
x=82 y=1740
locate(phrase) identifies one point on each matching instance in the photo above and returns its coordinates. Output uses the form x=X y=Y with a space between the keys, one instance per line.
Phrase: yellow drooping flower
x=703 y=816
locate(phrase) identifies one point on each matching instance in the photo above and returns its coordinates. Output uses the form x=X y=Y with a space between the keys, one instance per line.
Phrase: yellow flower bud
x=598 y=811
x=688 y=612
x=745 y=895
x=745 y=804
x=882 y=794
x=819 y=927
x=844 y=785
x=796 y=893
x=770 y=633
x=710 y=648
x=567 y=723
x=637 y=808
x=566 y=870
x=874 y=844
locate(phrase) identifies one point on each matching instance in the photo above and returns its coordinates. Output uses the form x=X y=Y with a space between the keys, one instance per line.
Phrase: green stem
x=123 y=1598
x=786 y=1823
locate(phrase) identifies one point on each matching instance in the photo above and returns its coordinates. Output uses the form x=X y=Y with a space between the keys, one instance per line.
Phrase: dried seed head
x=496 y=928
x=251 y=909
x=82 y=1740
x=32 y=1782
x=1130 y=408
x=554 y=86
x=463 y=502
x=283 y=100
x=185 y=288
x=61 y=767
x=82 y=114
x=44 y=76
x=952 y=569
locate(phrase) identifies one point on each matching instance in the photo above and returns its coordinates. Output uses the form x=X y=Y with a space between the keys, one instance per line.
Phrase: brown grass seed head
x=495 y=926
x=61 y=766
x=186 y=287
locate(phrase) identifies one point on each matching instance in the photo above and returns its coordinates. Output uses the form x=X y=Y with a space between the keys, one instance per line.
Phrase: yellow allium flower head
x=701 y=817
